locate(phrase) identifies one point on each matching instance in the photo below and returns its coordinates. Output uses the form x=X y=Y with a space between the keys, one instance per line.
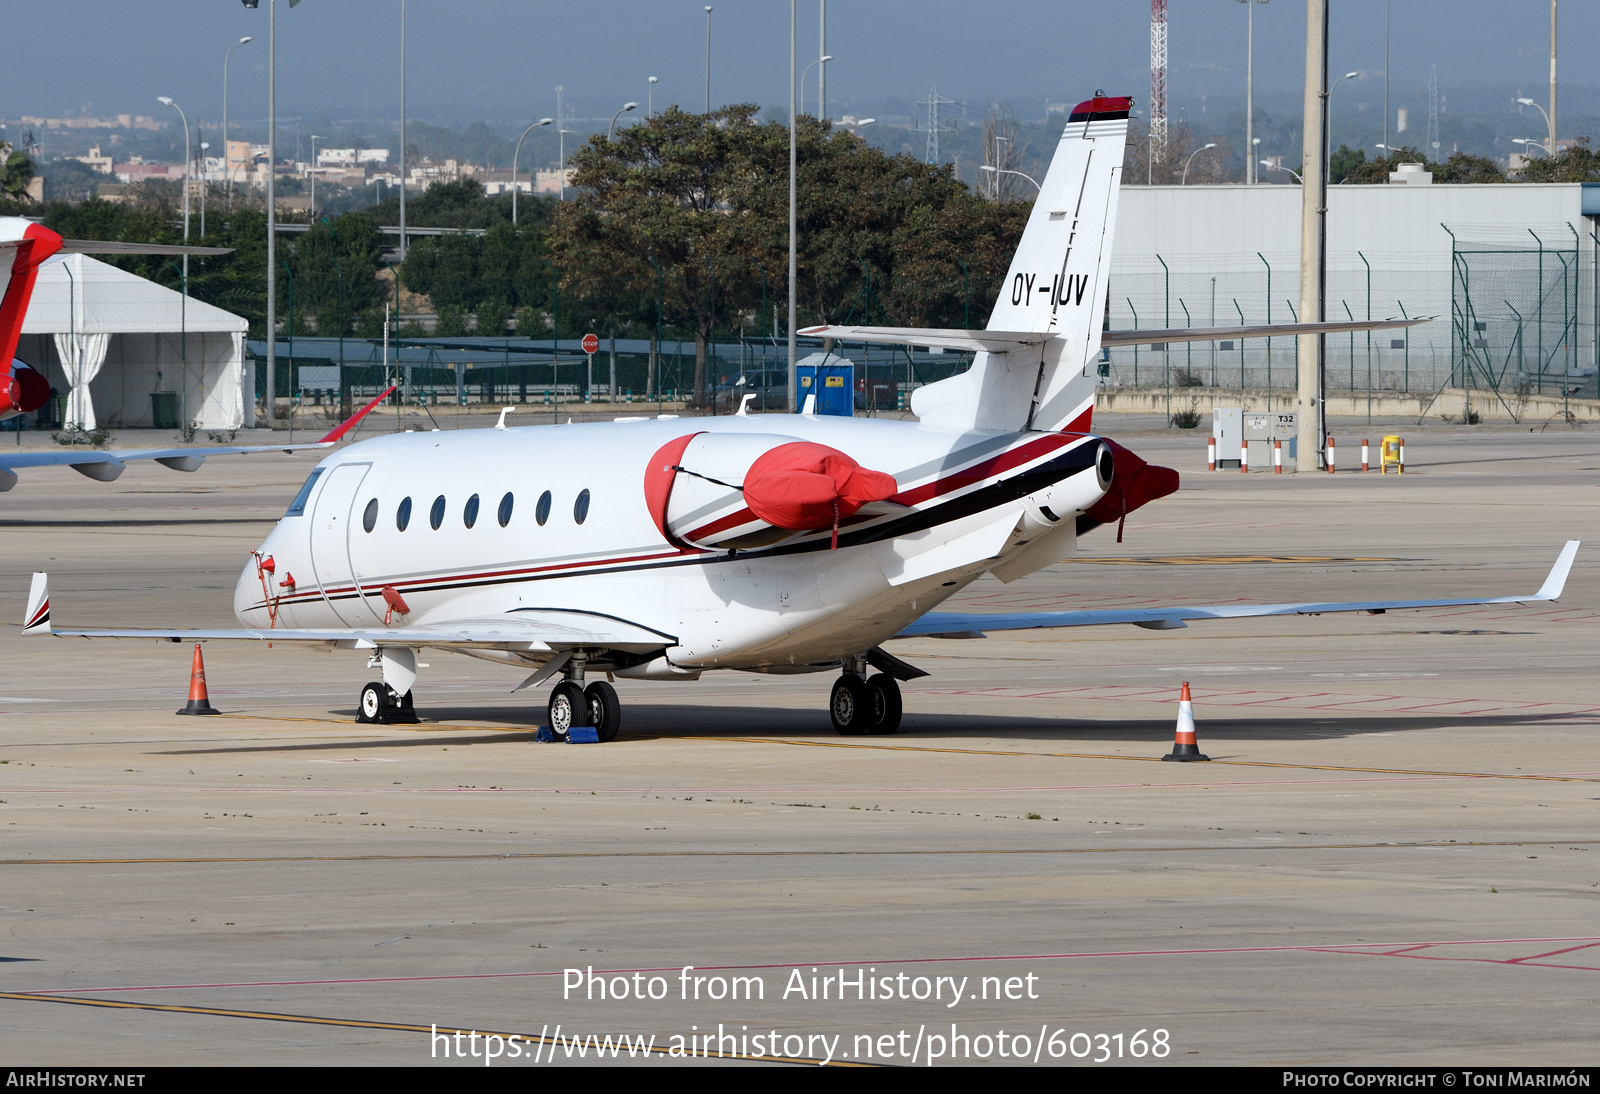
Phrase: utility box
x=164 y=410
x=1262 y=429
x=831 y=379
x=1227 y=426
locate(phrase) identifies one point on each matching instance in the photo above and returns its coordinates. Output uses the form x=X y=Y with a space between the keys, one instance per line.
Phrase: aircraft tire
x=605 y=709
x=374 y=704
x=884 y=690
x=850 y=705
x=568 y=707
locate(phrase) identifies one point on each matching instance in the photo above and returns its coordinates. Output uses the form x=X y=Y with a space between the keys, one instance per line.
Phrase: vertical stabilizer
x=23 y=246
x=1056 y=285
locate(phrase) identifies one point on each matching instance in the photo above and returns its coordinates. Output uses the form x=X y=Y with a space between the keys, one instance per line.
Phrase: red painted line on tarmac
x=1357 y=948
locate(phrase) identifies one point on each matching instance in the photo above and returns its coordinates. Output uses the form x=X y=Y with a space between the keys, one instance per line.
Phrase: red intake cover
x=1134 y=483
x=658 y=476
x=34 y=389
x=798 y=485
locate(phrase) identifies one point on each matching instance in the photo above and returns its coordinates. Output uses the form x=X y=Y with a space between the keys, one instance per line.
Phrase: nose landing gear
x=379 y=705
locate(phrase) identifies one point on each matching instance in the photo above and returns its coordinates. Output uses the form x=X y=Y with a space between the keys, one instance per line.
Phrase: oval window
x=580 y=508
x=369 y=519
x=541 y=512
x=402 y=515
x=469 y=515
x=436 y=514
x=505 y=510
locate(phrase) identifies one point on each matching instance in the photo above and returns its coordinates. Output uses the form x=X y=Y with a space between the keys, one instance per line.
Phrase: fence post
x=1268 y=265
x=1135 y=312
x=1368 y=265
x=1166 y=347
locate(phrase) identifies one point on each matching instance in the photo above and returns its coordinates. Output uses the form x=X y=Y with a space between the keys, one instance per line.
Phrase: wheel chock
x=583 y=735
x=545 y=735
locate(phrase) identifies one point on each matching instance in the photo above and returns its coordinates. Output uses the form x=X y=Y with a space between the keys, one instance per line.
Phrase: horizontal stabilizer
x=965 y=624
x=1265 y=330
x=994 y=341
x=111 y=247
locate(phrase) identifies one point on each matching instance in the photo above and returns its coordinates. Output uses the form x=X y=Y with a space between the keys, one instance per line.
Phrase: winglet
x=36 y=620
x=1551 y=589
x=344 y=427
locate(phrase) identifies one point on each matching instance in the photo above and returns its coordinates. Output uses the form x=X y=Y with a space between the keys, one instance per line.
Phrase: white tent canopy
x=111 y=339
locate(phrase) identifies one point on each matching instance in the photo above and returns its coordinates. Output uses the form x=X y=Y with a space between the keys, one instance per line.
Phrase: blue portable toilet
x=831 y=378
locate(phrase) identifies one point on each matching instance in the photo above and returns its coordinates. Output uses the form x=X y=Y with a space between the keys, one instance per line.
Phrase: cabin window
x=369 y=519
x=469 y=515
x=580 y=508
x=541 y=512
x=297 y=507
x=505 y=510
x=402 y=515
x=436 y=514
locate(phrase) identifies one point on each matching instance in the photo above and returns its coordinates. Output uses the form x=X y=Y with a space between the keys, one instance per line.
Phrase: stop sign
x=591 y=344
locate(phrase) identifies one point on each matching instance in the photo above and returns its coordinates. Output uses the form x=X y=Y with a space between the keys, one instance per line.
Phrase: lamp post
x=226 y=163
x=1019 y=174
x=314 y=140
x=1190 y=160
x=1540 y=145
x=611 y=130
x=562 y=166
x=272 y=202
x=708 y=58
x=820 y=60
x=166 y=100
x=650 y=98
x=1250 y=88
x=1548 y=120
x=1270 y=166
x=402 y=140
x=793 y=157
x=204 y=185
x=514 y=157
x=1327 y=124
x=824 y=57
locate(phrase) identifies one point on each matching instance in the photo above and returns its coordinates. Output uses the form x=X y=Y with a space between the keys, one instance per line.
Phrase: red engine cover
x=802 y=485
x=1134 y=483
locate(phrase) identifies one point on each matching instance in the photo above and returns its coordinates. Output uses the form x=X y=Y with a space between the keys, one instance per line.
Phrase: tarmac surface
x=1392 y=857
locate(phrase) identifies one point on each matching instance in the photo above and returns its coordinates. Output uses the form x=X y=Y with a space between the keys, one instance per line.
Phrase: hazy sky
x=499 y=60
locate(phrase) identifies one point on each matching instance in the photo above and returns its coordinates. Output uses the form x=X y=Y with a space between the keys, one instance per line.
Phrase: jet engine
x=741 y=491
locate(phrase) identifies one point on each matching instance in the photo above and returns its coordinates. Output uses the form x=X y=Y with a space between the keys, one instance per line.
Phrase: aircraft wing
x=106 y=464
x=974 y=625
x=1265 y=330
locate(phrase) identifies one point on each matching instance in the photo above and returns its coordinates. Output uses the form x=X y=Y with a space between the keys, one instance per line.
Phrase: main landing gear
x=571 y=704
x=381 y=706
x=861 y=704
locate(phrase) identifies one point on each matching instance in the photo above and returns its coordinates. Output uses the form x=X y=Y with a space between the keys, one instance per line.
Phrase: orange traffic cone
x=200 y=703
x=1184 y=748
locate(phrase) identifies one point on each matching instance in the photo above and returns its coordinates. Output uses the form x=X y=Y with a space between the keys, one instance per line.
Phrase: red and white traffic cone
x=199 y=702
x=1184 y=747
x=1211 y=454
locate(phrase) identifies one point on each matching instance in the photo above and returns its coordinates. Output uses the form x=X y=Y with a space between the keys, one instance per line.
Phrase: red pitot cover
x=801 y=486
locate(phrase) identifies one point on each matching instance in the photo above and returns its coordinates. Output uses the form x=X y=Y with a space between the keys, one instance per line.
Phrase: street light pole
x=1327 y=120
x=822 y=54
x=514 y=156
x=650 y=98
x=188 y=164
x=1190 y=160
x=562 y=166
x=402 y=142
x=1552 y=77
x=226 y=168
x=314 y=140
x=1019 y=174
x=611 y=130
x=708 y=58
x=793 y=158
x=1309 y=394
x=820 y=60
x=205 y=184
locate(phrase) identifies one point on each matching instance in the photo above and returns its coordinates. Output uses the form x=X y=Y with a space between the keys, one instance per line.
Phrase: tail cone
x=1184 y=748
x=200 y=703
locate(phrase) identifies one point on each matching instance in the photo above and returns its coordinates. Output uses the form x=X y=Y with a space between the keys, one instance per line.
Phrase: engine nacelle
x=1062 y=501
x=742 y=491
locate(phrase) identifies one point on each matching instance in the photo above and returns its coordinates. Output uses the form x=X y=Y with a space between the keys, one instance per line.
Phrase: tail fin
x=36 y=620
x=23 y=246
x=1056 y=285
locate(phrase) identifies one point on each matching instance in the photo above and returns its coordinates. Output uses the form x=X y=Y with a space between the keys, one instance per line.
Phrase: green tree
x=492 y=316
x=1576 y=164
x=16 y=171
x=452 y=322
x=1344 y=162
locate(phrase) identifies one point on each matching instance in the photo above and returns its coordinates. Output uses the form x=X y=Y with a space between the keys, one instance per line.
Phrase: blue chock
x=545 y=735
x=583 y=735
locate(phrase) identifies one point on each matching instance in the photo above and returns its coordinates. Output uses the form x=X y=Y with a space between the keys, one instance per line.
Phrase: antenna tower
x=1158 y=85
x=1433 y=112
x=932 y=102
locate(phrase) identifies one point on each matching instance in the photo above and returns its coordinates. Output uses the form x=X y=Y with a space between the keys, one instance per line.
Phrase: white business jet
x=661 y=549
x=24 y=247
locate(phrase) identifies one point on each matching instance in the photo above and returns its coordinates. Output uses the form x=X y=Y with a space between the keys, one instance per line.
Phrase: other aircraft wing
x=974 y=625
x=106 y=465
